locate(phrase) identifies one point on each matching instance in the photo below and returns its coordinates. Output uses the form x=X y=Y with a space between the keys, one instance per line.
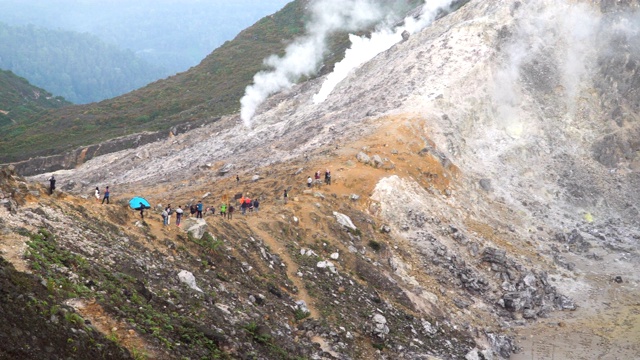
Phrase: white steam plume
x=364 y=49
x=561 y=32
x=304 y=55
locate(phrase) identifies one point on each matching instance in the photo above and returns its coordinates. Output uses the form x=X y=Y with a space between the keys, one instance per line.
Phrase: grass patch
x=376 y=246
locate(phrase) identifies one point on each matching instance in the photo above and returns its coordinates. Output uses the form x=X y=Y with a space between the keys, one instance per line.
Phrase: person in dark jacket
x=256 y=204
x=199 y=208
x=230 y=210
x=106 y=195
x=179 y=213
x=52 y=184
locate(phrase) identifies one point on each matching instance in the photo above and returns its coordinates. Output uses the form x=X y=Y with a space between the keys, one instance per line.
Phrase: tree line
x=77 y=66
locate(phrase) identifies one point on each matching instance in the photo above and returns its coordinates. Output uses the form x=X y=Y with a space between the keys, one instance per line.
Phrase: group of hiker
x=327 y=178
x=198 y=210
x=107 y=193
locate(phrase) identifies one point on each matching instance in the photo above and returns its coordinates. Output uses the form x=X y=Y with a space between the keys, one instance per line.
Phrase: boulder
x=188 y=278
x=377 y=161
x=344 y=220
x=225 y=169
x=195 y=227
x=363 y=158
x=380 y=328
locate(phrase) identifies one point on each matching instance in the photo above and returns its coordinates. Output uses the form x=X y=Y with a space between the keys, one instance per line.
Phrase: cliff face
x=487 y=166
x=77 y=157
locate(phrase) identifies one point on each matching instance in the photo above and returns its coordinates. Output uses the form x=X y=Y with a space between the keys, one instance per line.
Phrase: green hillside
x=79 y=67
x=211 y=89
x=20 y=100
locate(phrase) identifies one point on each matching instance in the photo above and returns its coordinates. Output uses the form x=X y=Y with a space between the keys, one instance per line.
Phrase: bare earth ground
x=606 y=324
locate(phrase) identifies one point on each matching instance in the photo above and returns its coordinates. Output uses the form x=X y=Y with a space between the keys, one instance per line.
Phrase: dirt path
x=280 y=249
x=118 y=331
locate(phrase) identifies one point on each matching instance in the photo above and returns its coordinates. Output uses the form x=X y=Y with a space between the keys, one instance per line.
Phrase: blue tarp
x=137 y=202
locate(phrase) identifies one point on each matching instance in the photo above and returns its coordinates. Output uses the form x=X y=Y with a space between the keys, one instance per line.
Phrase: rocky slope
x=489 y=188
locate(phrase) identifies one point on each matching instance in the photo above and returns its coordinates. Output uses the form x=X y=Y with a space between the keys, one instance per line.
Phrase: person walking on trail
x=309 y=182
x=141 y=209
x=107 y=193
x=193 y=209
x=327 y=177
x=164 y=217
x=230 y=214
x=286 y=196
x=317 y=176
x=256 y=205
x=52 y=184
x=199 y=209
x=97 y=194
x=179 y=213
x=223 y=210
x=169 y=212
x=237 y=179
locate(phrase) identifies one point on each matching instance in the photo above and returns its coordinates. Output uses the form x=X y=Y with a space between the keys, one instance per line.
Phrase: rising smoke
x=565 y=36
x=364 y=48
x=304 y=55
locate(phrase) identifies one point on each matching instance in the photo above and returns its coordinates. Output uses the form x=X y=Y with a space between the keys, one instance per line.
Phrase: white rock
x=379 y=319
x=188 y=278
x=325 y=264
x=344 y=220
x=335 y=256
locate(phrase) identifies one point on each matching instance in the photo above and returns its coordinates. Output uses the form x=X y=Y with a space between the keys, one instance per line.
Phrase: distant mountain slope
x=211 y=89
x=19 y=99
x=79 y=67
x=174 y=35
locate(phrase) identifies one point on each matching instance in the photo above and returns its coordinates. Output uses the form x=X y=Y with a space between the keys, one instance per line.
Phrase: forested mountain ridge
x=174 y=35
x=20 y=100
x=211 y=89
x=78 y=67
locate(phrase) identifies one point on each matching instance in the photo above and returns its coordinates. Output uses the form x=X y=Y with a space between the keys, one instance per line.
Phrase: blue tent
x=137 y=203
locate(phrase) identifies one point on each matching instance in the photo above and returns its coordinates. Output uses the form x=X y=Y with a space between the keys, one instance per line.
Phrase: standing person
x=141 y=209
x=169 y=212
x=256 y=204
x=97 y=194
x=327 y=177
x=237 y=179
x=249 y=204
x=243 y=207
x=317 y=176
x=52 y=184
x=223 y=210
x=286 y=196
x=192 y=209
x=230 y=215
x=309 y=182
x=107 y=193
x=179 y=213
x=164 y=217
x=199 y=209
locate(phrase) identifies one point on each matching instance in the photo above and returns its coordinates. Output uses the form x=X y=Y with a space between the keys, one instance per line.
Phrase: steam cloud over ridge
x=364 y=49
x=304 y=55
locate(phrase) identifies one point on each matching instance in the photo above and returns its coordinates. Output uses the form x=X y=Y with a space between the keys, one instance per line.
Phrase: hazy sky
x=175 y=34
